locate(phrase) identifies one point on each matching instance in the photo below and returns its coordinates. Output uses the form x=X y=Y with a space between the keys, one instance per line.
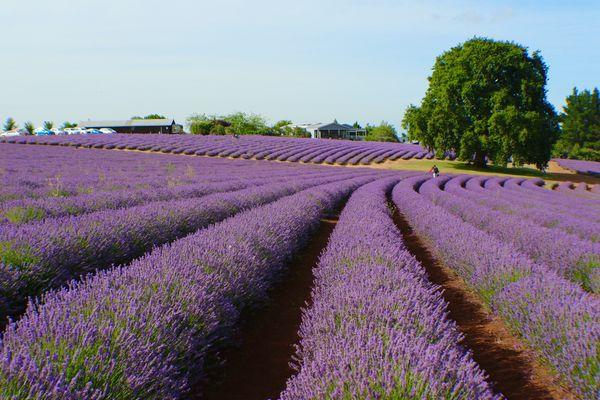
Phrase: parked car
x=14 y=132
x=92 y=131
x=108 y=131
x=43 y=132
x=75 y=131
x=58 y=131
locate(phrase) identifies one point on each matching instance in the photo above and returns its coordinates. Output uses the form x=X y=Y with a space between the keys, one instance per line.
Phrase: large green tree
x=487 y=100
x=580 y=120
x=385 y=132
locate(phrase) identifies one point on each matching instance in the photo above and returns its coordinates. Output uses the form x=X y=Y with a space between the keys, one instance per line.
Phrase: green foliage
x=296 y=132
x=29 y=127
x=18 y=258
x=281 y=124
x=10 y=124
x=385 y=132
x=48 y=125
x=68 y=124
x=487 y=98
x=22 y=215
x=580 y=119
x=238 y=123
x=247 y=124
x=150 y=116
x=218 y=129
x=201 y=127
x=284 y=128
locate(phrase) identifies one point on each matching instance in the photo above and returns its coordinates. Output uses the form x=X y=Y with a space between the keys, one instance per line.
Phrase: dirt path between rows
x=259 y=367
x=511 y=368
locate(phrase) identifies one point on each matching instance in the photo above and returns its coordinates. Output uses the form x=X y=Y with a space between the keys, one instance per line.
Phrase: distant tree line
x=580 y=126
x=150 y=116
x=240 y=123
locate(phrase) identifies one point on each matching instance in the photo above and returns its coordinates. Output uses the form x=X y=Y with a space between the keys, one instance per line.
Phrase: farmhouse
x=333 y=130
x=166 y=126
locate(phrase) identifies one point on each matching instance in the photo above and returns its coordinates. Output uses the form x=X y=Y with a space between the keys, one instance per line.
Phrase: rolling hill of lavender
x=137 y=275
x=246 y=147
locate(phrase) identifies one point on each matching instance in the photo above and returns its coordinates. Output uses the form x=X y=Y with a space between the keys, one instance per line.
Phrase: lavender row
x=518 y=191
x=580 y=166
x=44 y=255
x=58 y=172
x=376 y=327
x=246 y=146
x=534 y=188
x=580 y=190
x=539 y=212
x=573 y=258
x=556 y=318
x=144 y=331
x=530 y=191
x=27 y=210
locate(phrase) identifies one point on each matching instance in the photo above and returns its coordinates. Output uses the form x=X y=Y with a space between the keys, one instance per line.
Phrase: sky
x=303 y=60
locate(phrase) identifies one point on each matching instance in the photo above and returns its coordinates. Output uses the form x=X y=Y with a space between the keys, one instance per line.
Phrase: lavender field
x=245 y=147
x=135 y=274
x=580 y=166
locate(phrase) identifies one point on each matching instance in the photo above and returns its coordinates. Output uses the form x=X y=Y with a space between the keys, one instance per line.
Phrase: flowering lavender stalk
x=377 y=328
x=555 y=317
x=144 y=331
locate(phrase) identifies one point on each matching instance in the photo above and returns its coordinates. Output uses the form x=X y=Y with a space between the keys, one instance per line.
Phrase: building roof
x=332 y=126
x=127 y=123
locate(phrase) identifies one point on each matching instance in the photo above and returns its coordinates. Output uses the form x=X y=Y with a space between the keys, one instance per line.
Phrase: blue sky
x=308 y=61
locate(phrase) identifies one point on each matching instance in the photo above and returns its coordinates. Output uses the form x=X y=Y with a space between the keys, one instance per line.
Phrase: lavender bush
x=555 y=317
x=36 y=257
x=377 y=328
x=541 y=212
x=143 y=331
x=576 y=259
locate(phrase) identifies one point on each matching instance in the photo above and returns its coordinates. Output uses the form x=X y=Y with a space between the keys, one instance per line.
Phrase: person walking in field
x=435 y=170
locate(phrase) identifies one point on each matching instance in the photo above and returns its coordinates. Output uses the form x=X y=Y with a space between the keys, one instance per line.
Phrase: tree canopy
x=487 y=100
x=10 y=124
x=29 y=128
x=580 y=120
x=238 y=123
x=48 y=125
x=150 y=116
x=385 y=132
x=68 y=124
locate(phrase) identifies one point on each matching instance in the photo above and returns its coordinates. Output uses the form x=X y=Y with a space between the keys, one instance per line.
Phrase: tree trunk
x=479 y=160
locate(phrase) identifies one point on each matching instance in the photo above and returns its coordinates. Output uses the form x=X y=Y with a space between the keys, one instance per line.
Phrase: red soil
x=260 y=366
